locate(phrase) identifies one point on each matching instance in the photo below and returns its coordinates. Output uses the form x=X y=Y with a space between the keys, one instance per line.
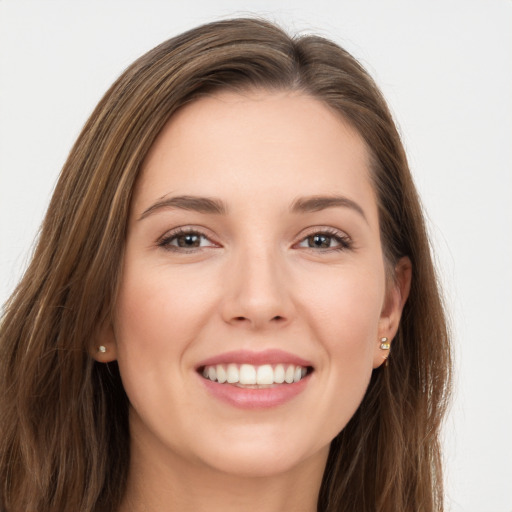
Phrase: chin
x=261 y=456
x=257 y=465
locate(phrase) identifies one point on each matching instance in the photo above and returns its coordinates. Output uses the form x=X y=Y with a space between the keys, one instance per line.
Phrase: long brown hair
x=64 y=440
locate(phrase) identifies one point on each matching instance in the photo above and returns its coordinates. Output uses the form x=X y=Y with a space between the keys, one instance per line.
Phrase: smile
x=255 y=380
x=248 y=375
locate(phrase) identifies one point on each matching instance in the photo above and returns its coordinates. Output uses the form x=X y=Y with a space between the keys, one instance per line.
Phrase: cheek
x=156 y=306
x=346 y=310
x=344 y=318
x=158 y=316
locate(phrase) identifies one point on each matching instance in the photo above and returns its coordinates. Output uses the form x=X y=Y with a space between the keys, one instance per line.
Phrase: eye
x=326 y=240
x=185 y=240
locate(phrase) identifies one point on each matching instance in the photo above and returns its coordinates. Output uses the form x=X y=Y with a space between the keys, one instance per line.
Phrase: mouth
x=255 y=380
x=251 y=376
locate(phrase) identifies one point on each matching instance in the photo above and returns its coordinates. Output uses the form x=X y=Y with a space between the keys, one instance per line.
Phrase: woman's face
x=253 y=255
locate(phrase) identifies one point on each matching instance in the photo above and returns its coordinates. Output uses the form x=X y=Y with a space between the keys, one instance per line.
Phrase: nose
x=257 y=291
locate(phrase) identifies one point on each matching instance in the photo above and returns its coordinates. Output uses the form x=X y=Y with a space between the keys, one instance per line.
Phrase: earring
x=384 y=344
x=102 y=349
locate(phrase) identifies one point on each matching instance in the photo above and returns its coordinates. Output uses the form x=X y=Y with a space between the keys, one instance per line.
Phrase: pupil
x=189 y=241
x=321 y=241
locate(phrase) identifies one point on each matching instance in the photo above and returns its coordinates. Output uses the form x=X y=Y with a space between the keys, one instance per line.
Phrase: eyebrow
x=216 y=206
x=192 y=203
x=317 y=203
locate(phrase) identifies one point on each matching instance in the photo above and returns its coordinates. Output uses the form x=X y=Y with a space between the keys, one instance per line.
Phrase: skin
x=254 y=283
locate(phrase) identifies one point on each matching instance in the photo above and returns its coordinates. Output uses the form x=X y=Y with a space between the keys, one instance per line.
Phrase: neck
x=167 y=483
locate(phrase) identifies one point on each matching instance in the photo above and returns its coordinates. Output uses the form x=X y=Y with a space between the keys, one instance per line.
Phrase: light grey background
x=446 y=70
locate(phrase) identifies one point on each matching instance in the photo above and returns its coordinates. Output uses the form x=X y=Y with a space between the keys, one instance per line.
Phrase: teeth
x=279 y=374
x=222 y=376
x=250 y=375
x=265 y=375
x=233 y=374
x=247 y=374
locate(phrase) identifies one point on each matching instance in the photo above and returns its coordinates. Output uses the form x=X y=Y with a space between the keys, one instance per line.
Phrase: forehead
x=253 y=144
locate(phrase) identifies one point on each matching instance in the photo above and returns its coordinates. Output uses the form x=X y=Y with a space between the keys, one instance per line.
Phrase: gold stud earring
x=102 y=349
x=384 y=344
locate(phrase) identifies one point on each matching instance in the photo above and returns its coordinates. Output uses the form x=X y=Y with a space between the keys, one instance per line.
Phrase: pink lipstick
x=254 y=380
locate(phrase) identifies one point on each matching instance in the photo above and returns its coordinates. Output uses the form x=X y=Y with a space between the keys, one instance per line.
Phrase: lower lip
x=249 y=398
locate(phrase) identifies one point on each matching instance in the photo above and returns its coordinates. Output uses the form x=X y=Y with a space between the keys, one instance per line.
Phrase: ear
x=397 y=292
x=104 y=348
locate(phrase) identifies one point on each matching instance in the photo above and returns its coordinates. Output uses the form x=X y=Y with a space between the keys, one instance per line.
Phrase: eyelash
x=344 y=242
x=165 y=241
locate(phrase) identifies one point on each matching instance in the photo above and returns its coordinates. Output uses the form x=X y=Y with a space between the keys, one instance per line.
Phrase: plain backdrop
x=446 y=70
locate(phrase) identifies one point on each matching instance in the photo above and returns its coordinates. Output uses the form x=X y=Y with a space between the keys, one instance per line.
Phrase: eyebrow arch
x=317 y=203
x=216 y=206
x=193 y=203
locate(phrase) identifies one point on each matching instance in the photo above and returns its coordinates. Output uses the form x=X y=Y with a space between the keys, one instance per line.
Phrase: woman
x=234 y=249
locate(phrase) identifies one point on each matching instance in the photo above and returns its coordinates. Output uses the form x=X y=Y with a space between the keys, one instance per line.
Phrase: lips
x=256 y=358
x=255 y=379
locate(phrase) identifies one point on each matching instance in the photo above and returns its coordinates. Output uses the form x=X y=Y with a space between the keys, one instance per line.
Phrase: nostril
x=239 y=320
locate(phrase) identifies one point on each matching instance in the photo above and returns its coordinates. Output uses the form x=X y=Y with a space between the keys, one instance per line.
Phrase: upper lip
x=273 y=356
